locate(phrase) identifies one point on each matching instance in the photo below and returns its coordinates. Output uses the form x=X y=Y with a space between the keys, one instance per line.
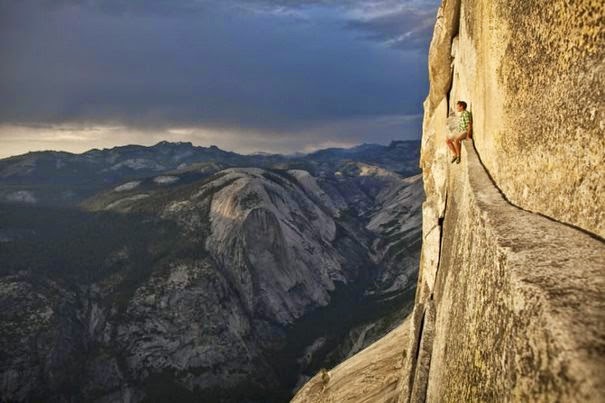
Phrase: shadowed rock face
x=180 y=289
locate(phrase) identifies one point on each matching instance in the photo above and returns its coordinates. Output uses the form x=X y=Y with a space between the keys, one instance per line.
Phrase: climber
x=325 y=378
x=463 y=131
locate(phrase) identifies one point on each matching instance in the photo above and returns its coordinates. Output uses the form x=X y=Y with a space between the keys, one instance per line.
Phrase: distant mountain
x=61 y=178
x=387 y=156
x=203 y=281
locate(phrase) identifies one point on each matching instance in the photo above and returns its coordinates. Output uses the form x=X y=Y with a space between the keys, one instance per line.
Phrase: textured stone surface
x=370 y=376
x=520 y=302
x=509 y=303
x=446 y=27
x=534 y=76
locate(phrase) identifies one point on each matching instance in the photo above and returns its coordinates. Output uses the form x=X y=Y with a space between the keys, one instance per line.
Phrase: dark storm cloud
x=277 y=66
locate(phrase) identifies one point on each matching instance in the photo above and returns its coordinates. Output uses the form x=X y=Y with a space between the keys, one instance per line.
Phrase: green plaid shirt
x=465 y=119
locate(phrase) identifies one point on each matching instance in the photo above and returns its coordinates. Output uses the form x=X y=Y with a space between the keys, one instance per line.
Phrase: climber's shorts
x=452 y=135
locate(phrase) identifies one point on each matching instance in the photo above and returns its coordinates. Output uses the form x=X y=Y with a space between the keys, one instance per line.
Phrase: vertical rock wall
x=534 y=74
x=511 y=293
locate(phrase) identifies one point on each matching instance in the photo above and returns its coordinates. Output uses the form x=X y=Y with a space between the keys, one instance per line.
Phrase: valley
x=208 y=282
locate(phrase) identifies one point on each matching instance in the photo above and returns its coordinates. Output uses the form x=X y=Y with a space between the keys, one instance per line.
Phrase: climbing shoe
x=458 y=160
x=454 y=159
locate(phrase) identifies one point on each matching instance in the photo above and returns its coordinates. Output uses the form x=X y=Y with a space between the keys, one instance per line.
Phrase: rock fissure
x=553 y=219
x=417 y=351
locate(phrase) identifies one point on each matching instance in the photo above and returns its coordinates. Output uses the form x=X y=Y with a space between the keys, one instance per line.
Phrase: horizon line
x=259 y=152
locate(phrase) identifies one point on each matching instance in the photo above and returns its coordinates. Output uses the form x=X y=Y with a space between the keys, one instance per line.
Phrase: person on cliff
x=463 y=131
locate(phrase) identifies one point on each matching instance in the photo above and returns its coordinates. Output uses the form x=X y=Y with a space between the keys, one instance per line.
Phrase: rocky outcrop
x=511 y=291
x=370 y=376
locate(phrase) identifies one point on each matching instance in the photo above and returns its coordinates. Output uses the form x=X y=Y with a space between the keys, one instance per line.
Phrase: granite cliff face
x=511 y=292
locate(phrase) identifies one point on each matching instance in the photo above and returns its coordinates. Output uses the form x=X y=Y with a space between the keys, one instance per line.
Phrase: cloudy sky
x=246 y=75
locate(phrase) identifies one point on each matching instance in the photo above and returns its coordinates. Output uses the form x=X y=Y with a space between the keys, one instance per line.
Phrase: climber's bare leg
x=457 y=147
x=458 y=142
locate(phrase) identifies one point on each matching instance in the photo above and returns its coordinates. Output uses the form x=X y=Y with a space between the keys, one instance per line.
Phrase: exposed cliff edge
x=511 y=292
x=372 y=375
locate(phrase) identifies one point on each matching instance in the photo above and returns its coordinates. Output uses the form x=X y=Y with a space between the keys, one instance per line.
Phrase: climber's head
x=461 y=106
